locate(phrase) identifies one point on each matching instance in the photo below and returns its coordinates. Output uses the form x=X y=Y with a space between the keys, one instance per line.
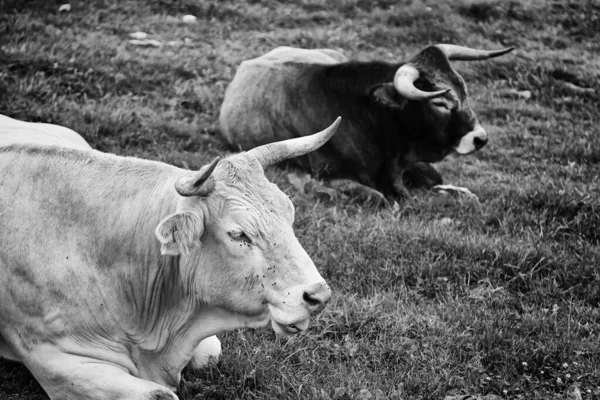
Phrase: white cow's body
x=96 y=307
x=13 y=131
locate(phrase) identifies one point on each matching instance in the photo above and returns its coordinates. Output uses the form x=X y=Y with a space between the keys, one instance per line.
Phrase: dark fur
x=391 y=132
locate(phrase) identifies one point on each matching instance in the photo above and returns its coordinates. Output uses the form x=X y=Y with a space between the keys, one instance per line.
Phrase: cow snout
x=479 y=142
x=316 y=297
x=472 y=141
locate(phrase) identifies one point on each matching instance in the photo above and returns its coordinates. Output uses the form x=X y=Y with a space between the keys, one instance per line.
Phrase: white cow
x=13 y=131
x=113 y=269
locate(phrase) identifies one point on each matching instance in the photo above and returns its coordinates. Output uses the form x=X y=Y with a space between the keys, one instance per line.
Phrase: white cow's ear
x=387 y=95
x=179 y=233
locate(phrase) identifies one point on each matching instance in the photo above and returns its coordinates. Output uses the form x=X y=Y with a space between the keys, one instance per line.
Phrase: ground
x=439 y=296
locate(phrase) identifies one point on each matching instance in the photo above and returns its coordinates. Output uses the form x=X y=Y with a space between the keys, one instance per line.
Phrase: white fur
x=208 y=352
x=13 y=131
x=467 y=143
x=112 y=318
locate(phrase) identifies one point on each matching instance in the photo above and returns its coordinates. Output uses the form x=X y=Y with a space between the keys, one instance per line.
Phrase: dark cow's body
x=290 y=91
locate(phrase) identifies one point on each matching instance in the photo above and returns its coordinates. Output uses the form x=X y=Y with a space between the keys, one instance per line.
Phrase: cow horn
x=404 y=84
x=197 y=184
x=273 y=153
x=454 y=52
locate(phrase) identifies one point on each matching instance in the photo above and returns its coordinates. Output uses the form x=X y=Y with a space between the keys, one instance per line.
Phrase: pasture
x=439 y=296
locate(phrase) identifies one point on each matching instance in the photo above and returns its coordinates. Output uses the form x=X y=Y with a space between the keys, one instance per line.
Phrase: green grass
x=441 y=296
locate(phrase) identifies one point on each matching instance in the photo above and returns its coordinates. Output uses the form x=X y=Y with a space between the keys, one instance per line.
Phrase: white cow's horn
x=404 y=84
x=199 y=183
x=273 y=153
x=454 y=52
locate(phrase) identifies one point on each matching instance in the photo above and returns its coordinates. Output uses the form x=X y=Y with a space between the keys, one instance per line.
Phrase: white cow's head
x=233 y=233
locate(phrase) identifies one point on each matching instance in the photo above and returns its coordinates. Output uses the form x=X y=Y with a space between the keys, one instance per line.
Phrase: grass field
x=441 y=296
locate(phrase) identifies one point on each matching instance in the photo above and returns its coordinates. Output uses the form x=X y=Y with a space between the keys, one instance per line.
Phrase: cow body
x=110 y=279
x=288 y=81
x=287 y=91
x=13 y=131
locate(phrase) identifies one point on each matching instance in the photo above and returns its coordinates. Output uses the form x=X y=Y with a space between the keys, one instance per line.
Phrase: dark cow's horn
x=197 y=185
x=454 y=52
x=273 y=153
x=404 y=84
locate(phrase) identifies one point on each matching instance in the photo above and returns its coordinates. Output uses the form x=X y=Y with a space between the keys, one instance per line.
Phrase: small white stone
x=64 y=8
x=515 y=94
x=444 y=221
x=138 y=35
x=189 y=19
x=175 y=43
x=146 y=43
x=428 y=8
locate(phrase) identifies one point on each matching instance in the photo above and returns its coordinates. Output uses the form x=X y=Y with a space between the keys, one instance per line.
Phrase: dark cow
x=397 y=117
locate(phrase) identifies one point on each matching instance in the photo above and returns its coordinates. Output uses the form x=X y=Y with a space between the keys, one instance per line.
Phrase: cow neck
x=355 y=78
x=153 y=286
x=166 y=321
x=404 y=129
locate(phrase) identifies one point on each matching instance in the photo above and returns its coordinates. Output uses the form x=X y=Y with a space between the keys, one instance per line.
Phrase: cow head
x=233 y=233
x=440 y=94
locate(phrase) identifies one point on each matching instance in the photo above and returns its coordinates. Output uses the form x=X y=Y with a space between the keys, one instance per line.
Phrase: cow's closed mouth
x=289 y=329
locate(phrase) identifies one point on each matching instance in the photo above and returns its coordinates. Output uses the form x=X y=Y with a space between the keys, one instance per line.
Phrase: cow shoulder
x=286 y=54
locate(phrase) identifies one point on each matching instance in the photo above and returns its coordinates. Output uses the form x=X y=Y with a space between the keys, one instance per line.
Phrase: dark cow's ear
x=387 y=95
x=179 y=233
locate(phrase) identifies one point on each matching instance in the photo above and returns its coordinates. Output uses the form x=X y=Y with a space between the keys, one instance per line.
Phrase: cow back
x=13 y=131
x=265 y=100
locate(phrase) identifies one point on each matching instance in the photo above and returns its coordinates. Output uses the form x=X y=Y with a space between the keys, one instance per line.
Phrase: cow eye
x=239 y=236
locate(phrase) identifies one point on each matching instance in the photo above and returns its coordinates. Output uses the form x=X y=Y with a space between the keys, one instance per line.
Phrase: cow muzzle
x=289 y=317
x=472 y=141
x=316 y=297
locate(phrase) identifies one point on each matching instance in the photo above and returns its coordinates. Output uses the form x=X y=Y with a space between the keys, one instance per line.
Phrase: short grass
x=441 y=296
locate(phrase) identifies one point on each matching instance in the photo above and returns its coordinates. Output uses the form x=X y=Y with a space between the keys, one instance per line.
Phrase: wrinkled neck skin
x=160 y=315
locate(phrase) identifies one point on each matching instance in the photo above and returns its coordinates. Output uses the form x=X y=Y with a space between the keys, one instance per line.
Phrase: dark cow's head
x=439 y=96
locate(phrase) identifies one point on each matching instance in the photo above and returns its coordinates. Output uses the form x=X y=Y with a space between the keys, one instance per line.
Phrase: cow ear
x=179 y=233
x=387 y=95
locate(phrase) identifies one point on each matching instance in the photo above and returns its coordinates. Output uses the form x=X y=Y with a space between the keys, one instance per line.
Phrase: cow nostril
x=311 y=299
x=479 y=142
